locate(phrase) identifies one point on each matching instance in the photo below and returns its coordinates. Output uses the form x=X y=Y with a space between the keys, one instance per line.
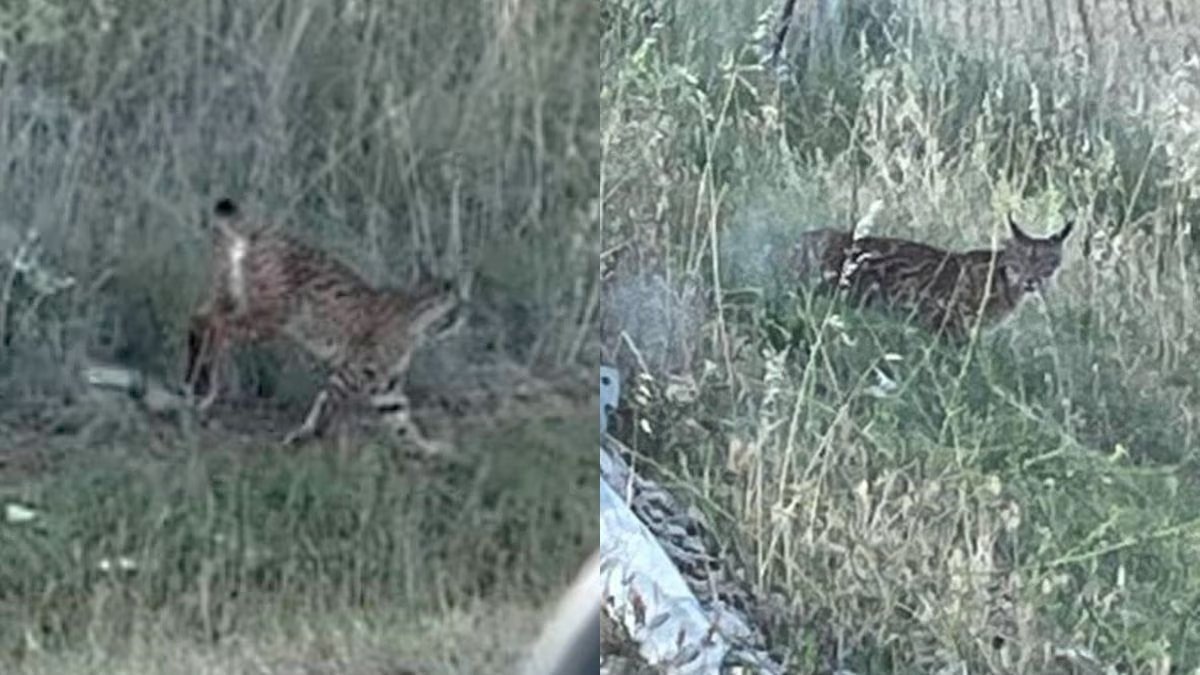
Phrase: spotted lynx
x=947 y=292
x=267 y=285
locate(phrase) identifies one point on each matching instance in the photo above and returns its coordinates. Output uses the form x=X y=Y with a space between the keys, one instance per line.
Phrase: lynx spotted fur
x=266 y=285
x=947 y=292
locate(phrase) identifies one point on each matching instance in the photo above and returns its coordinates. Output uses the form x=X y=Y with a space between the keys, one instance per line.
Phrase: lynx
x=949 y=293
x=266 y=285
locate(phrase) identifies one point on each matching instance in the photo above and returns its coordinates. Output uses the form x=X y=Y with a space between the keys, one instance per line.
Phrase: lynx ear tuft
x=225 y=208
x=1016 y=230
x=1062 y=234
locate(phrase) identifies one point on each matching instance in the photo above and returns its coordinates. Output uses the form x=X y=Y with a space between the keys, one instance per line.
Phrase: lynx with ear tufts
x=947 y=292
x=267 y=285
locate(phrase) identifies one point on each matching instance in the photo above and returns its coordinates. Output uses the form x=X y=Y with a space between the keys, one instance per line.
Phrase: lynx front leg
x=314 y=422
x=205 y=345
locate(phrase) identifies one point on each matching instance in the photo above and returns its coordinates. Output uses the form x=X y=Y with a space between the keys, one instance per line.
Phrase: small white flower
x=681 y=389
x=122 y=563
x=15 y=513
x=884 y=386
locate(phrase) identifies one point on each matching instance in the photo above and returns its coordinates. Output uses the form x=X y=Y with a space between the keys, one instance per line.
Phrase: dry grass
x=459 y=138
x=1025 y=505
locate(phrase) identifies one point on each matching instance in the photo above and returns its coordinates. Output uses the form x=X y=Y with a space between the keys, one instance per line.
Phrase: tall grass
x=455 y=138
x=1026 y=504
x=219 y=545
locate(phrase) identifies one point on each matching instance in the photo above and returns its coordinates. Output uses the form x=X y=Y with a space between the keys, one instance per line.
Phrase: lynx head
x=225 y=208
x=224 y=220
x=1030 y=262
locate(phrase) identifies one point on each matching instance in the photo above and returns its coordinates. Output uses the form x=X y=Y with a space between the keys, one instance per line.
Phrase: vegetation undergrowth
x=405 y=138
x=1027 y=503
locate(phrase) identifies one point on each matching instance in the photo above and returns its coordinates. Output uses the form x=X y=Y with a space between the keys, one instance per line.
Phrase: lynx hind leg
x=196 y=375
x=394 y=409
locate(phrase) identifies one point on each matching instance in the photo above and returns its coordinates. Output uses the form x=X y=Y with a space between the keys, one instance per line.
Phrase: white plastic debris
x=16 y=514
x=680 y=624
x=644 y=593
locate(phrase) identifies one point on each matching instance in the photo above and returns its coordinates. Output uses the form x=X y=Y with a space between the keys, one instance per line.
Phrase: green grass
x=483 y=638
x=1013 y=506
x=459 y=138
x=223 y=544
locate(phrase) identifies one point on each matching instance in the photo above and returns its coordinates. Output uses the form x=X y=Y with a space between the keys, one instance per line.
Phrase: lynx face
x=947 y=292
x=266 y=285
x=1030 y=262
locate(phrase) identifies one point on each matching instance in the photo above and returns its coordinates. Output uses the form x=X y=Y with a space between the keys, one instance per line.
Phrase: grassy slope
x=478 y=639
x=302 y=557
x=398 y=135
x=1013 y=507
